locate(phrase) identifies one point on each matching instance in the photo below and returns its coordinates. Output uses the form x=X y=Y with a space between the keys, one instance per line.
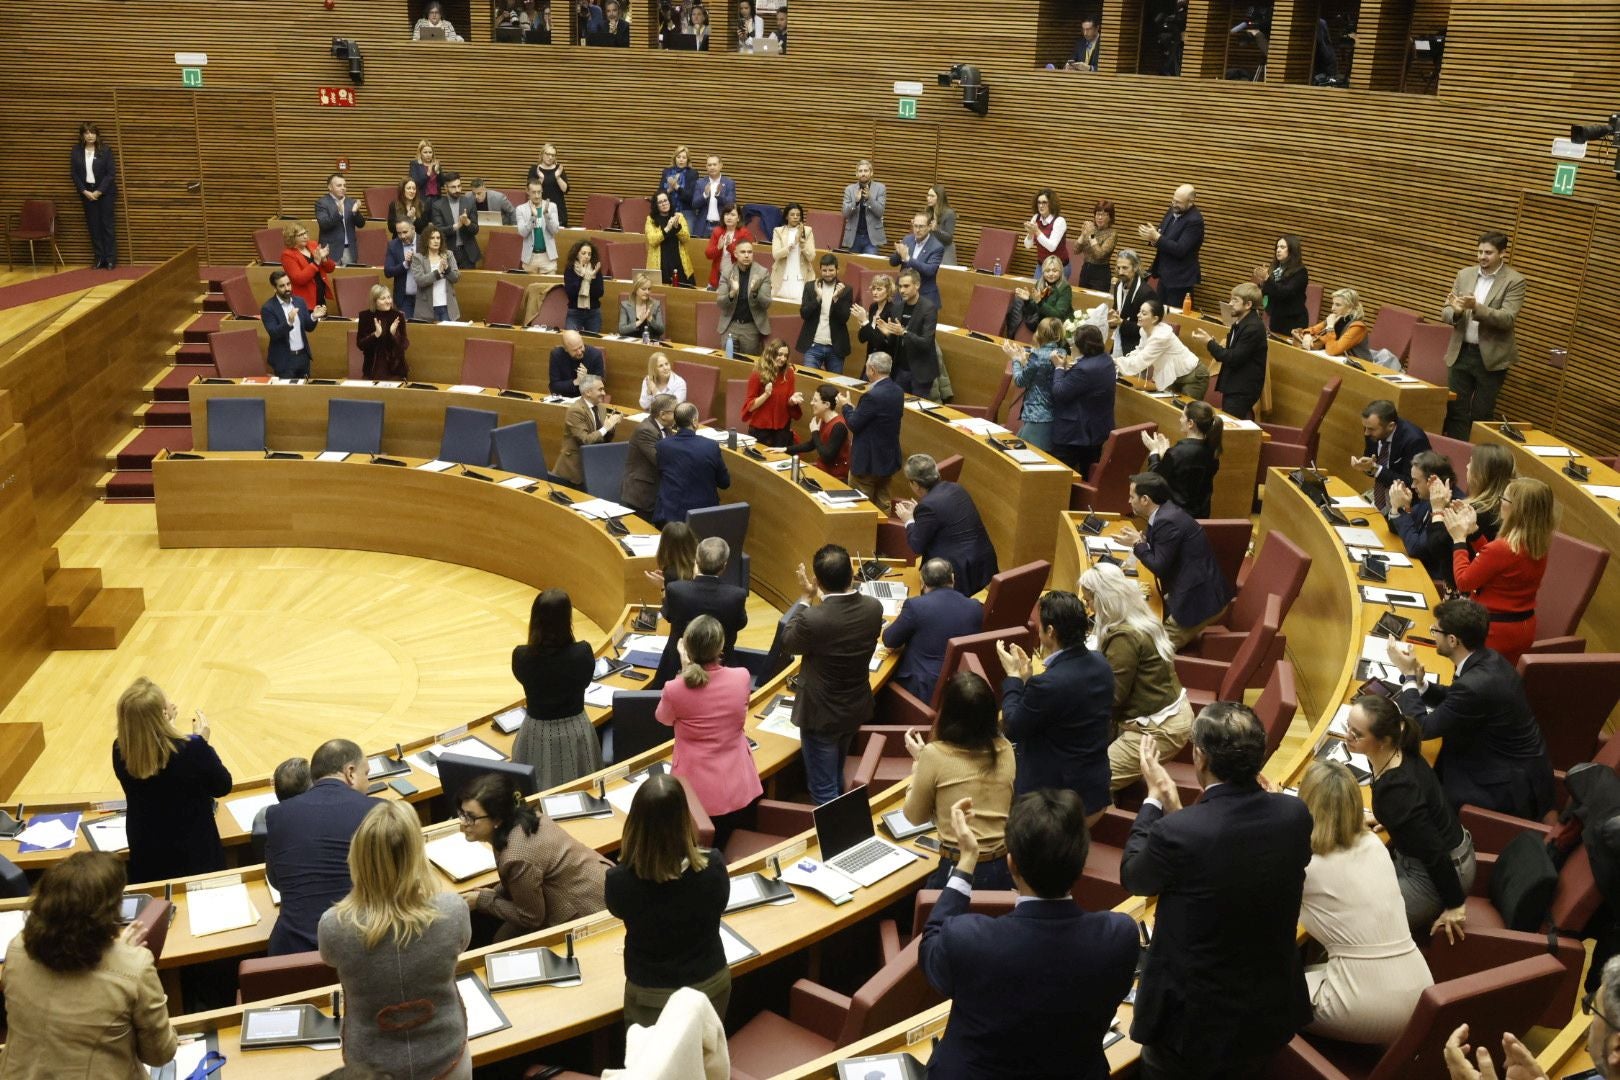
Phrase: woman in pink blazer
x=707 y=707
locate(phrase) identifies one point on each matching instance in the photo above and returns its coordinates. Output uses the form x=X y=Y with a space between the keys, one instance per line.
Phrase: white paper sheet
x=646 y=643
x=332 y=455
x=11 y=924
x=473 y=748
x=436 y=465
x=218 y=909
x=245 y=809
x=599 y=695
x=1027 y=457
x=459 y=857
x=619 y=797
x=1355 y=536
x=1395 y=558
x=1552 y=450
x=187 y=1056
x=1376 y=648
x=49 y=835
x=359 y=382
x=1350 y=502
x=643 y=546
x=518 y=482
x=779 y=722
x=978 y=425
x=601 y=508
x=421 y=762
x=110 y=834
x=1603 y=491
x=481 y=1015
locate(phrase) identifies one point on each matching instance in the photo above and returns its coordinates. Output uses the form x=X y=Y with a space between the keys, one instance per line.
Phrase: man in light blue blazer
x=864 y=203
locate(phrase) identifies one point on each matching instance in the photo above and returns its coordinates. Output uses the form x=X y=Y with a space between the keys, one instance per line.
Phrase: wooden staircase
x=82 y=613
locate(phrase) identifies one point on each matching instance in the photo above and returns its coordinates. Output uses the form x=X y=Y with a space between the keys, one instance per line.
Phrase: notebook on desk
x=850 y=845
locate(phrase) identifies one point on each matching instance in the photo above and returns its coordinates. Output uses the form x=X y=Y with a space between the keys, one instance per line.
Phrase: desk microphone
x=558 y=496
x=378 y=459
x=475 y=475
x=1509 y=430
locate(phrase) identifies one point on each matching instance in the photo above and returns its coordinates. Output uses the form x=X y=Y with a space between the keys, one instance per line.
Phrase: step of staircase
x=128 y=486
x=175 y=384
x=105 y=620
x=216 y=302
x=53 y=562
x=165 y=414
x=138 y=453
x=68 y=593
x=204 y=324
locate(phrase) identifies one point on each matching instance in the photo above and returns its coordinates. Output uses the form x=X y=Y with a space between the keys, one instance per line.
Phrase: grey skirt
x=560 y=750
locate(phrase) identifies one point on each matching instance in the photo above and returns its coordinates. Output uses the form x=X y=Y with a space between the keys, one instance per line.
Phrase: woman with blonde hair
x=1352 y=907
x=1490 y=471
x=772 y=401
x=1052 y=298
x=394 y=941
x=382 y=338
x=641 y=314
x=82 y=992
x=1148 y=697
x=425 y=169
x=884 y=306
x=661 y=379
x=170 y=782
x=679 y=180
x=708 y=706
x=307 y=264
x=1343 y=332
x=670 y=894
x=1505 y=574
x=1032 y=371
x=677 y=554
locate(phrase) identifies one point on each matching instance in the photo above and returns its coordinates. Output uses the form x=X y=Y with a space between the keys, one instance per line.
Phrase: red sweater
x=775 y=414
x=1504 y=581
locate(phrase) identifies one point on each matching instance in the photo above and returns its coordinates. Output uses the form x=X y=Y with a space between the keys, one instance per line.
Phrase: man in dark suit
x=705 y=594
x=1032 y=992
x=926 y=624
x=338 y=216
x=1415 y=512
x=457 y=214
x=1243 y=357
x=1391 y=443
x=691 y=470
x=1222 y=987
x=1494 y=755
x=1177 y=552
x=942 y=522
x=875 y=426
x=639 y=489
x=1061 y=719
x=836 y=638
x=922 y=252
x=1178 y=239
x=916 y=366
x=1083 y=402
x=289 y=322
x=709 y=198
x=306 y=852
x=397 y=266
x=824 y=316
x=571 y=360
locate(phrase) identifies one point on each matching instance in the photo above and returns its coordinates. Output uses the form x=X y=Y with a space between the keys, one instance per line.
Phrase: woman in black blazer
x=1189 y=467
x=1284 y=283
x=884 y=306
x=1243 y=358
x=170 y=782
x=1130 y=289
x=95 y=178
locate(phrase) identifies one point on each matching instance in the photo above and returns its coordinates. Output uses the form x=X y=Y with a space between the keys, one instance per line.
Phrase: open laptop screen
x=843 y=823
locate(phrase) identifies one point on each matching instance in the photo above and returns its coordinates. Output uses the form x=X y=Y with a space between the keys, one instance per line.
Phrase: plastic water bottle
x=997 y=270
x=646 y=336
x=731 y=347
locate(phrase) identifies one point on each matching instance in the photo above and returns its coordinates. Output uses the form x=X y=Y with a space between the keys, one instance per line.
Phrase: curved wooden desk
x=1582 y=515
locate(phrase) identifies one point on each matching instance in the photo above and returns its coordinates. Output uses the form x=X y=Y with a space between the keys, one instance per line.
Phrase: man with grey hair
x=691 y=470
x=875 y=426
x=924 y=628
x=639 y=488
x=705 y=594
x=941 y=521
x=587 y=422
x=864 y=203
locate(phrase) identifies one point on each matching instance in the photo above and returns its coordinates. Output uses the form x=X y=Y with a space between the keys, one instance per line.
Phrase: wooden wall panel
x=24 y=627
x=1389 y=191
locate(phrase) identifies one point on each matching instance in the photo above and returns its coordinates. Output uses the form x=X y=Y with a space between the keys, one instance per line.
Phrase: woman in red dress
x=1505 y=574
x=772 y=401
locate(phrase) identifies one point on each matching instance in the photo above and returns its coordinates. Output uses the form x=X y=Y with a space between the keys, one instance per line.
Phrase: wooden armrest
x=889 y=939
x=813 y=1006
x=1567 y=644
x=901 y=710
x=1484 y=864
x=1198 y=674
x=1283 y=455
x=1492 y=830
x=1299 y=1060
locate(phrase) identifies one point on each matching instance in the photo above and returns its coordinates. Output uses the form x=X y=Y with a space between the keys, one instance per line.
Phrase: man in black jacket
x=1391 y=443
x=943 y=523
x=1177 y=552
x=1243 y=357
x=824 y=311
x=1222 y=987
x=705 y=594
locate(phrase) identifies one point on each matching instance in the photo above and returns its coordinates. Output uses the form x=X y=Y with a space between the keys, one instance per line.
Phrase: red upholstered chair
x=858 y=276
x=621 y=258
x=505 y=304
x=269 y=245
x=236 y=353
x=353 y=294
x=1571 y=696
x=706 y=314
x=1003 y=388
x=1426 y=356
x=774 y=822
x=819 y=1020
x=155 y=919
x=736 y=397
x=1484 y=949
x=1213 y=680
x=1230 y=539
x=1392 y=330
x=357 y=359
x=600 y=210
x=274 y=976
x=1280 y=569
x=900 y=708
x=503 y=251
x=486 y=362
x=700 y=817
x=863 y=769
x=701 y=380
x=239 y=295
x=553 y=309
x=1490 y=1003
x=371 y=246
x=1011 y=595
x=995 y=245
x=1292 y=447
x=377 y=199
x=1575 y=898
x=1313 y=303
x=950 y=468
x=1109 y=489
x=633 y=215
x=35 y=223
x=787 y=328
x=891 y=534
x=1457 y=452
x=987 y=309
x=1574 y=568
x=828 y=225
x=1274 y=708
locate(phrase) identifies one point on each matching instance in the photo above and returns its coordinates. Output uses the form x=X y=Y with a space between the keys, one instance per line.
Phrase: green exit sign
x=1564 y=178
x=908 y=108
x=191 y=77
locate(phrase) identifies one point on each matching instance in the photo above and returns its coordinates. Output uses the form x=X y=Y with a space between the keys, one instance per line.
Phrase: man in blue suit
x=942 y=521
x=1061 y=720
x=922 y=252
x=1390 y=443
x=691 y=470
x=306 y=854
x=875 y=426
x=1177 y=552
x=289 y=322
x=1083 y=402
x=926 y=625
x=1032 y=992
x=709 y=198
x=1178 y=239
x=1222 y=987
x=397 y=266
x=338 y=216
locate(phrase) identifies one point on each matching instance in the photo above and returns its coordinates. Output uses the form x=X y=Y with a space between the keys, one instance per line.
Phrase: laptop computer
x=488 y=218
x=850 y=845
x=430 y=33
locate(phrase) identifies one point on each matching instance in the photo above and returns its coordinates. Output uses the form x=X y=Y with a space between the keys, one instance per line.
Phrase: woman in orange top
x=1343 y=332
x=1505 y=574
x=772 y=402
x=307 y=264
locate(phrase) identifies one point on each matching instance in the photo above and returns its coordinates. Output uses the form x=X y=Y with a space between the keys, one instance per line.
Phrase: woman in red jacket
x=1505 y=574
x=772 y=402
x=307 y=264
x=723 y=244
